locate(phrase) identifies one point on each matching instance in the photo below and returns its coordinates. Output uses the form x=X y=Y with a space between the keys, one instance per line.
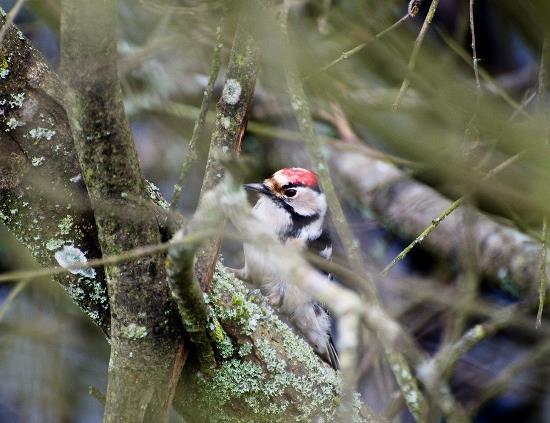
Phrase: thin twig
x=445 y=213
x=484 y=74
x=9 y=19
x=412 y=12
x=544 y=84
x=435 y=371
x=259 y=128
x=503 y=381
x=398 y=364
x=444 y=361
x=543 y=277
x=416 y=49
x=349 y=323
x=523 y=105
x=191 y=156
x=97 y=394
x=475 y=59
x=11 y=297
x=128 y=255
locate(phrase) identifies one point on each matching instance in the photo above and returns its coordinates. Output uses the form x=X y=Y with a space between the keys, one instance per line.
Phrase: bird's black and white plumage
x=294 y=208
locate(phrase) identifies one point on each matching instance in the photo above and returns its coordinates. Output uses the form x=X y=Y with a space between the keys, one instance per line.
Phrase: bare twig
x=11 y=297
x=126 y=256
x=97 y=394
x=413 y=9
x=348 y=345
x=191 y=155
x=507 y=375
x=543 y=277
x=544 y=78
x=416 y=49
x=492 y=85
x=475 y=59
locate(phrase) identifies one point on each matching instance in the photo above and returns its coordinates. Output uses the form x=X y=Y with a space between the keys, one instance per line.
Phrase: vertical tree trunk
x=146 y=352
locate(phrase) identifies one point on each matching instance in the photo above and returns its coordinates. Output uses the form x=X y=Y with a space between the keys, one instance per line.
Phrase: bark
x=505 y=255
x=44 y=202
x=263 y=365
x=267 y=373
x=146 y=350
x=231 y=121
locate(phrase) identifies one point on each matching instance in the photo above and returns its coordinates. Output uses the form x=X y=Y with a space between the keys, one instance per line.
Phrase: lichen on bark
x=270 y=374
x=44 y=204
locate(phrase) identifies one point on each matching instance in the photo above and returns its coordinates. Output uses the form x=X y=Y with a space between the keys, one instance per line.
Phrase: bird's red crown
x=299 y=176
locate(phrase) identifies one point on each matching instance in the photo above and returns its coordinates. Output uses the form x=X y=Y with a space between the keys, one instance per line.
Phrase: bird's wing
x=322 y=246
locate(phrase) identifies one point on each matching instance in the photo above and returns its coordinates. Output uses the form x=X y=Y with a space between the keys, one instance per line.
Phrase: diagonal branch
x=191 y=156
x=44 y=203
x=231 y=120
x=398 y=363
x=188 y=296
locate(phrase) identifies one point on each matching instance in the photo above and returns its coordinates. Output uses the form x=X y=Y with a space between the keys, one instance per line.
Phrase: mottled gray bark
x=504 y=254
x=43 y=200
x=231 y=120
x=146 y=350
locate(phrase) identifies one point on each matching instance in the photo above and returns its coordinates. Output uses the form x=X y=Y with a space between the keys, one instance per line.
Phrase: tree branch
x=507 y=256
x=146 y=353
x=44 y=203
x=231 y=120
x=189 y=298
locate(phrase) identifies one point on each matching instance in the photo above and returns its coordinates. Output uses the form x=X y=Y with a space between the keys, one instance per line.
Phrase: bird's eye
x=290 y=192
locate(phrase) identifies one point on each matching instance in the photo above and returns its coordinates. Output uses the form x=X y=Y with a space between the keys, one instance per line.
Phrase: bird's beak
x=261 y=188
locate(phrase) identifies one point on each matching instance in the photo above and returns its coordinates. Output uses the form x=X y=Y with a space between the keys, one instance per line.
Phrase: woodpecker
x=292 y=206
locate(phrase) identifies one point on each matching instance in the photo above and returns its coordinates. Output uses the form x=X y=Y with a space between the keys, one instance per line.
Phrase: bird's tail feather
x=334 y=361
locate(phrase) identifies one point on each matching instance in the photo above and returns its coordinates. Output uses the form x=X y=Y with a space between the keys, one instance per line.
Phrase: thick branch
x=44 y=203
x=504 y=254
x=146 y=352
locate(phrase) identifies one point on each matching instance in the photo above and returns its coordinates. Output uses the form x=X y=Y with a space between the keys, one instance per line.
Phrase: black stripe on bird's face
x=298 y=220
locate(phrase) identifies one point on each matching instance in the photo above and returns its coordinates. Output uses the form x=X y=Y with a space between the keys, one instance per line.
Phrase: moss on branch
x=268 y=375
x=188 y=296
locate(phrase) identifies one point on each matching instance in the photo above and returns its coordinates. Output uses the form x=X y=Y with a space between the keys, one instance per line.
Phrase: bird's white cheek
x=276 y=218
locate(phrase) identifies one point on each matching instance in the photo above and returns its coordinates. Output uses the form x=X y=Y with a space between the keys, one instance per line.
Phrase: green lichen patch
x=4 y=67
x=65 y=225
x=244 y=314
x=13 y=123
x=135 y=331
x=155 y=195
x=16 y=100
x=40 y=133
x=245 y=349
x=273 y=376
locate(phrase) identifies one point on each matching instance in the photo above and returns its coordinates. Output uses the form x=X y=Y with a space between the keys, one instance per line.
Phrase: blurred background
x=445 y=133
